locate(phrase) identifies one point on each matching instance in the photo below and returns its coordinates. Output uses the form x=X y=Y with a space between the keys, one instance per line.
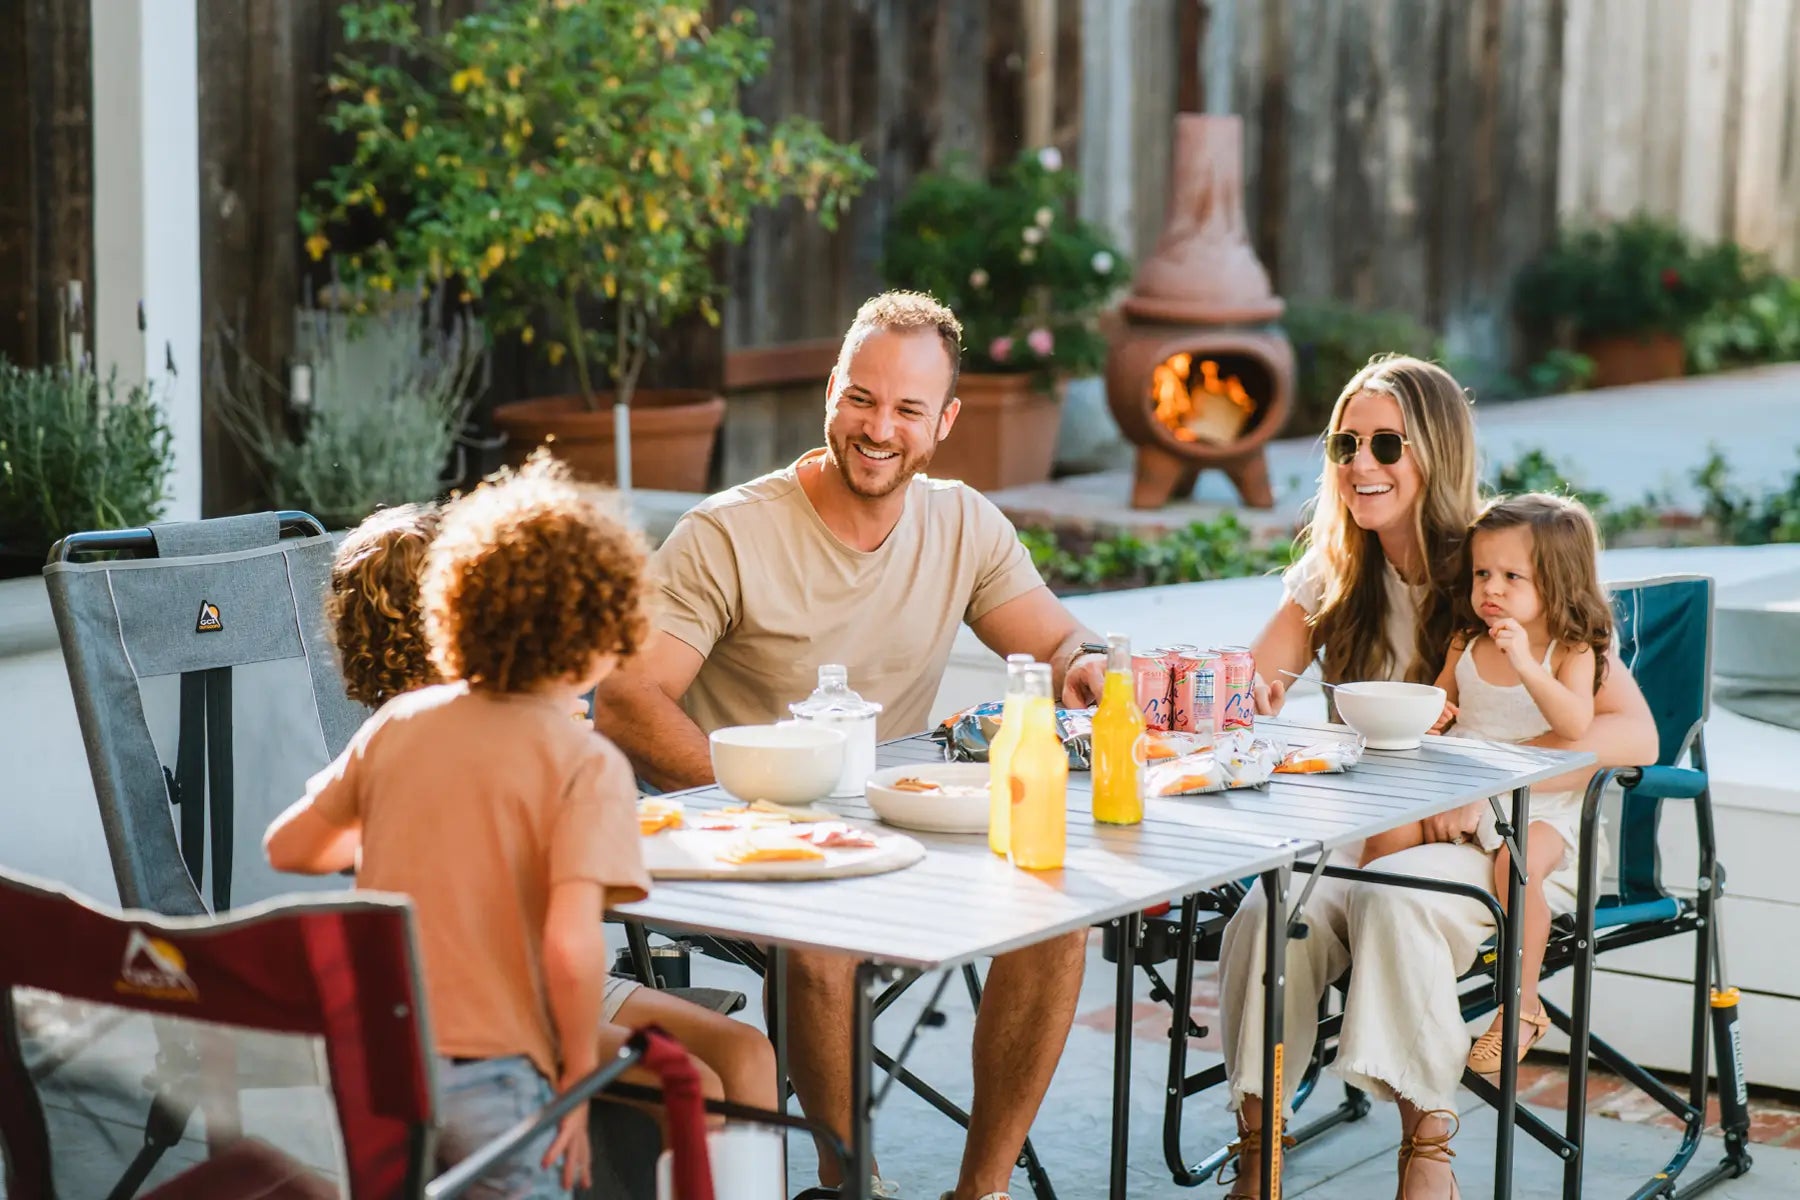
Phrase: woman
x=1372 y=598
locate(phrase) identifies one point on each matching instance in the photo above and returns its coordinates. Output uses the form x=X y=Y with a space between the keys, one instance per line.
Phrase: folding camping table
x=962 y=903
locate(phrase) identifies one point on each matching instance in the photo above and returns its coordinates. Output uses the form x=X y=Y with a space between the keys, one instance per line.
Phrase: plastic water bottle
x=833 y=704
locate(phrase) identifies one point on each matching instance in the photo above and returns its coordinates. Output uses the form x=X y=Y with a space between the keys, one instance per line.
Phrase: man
x=852 y=556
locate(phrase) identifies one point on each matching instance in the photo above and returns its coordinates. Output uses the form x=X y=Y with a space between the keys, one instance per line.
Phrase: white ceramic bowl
x=933 y=812
x=795 y=762
x=1391 y=716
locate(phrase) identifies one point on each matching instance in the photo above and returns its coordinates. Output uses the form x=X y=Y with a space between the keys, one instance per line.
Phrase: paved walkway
x=921 y=1149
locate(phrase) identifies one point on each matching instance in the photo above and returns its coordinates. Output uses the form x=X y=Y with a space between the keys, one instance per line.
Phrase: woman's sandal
x=1435 y=1148
x=1485 y=1054
x=1249 y=1142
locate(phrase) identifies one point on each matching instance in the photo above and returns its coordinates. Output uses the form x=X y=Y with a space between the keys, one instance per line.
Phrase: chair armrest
x=1664 y=783
x=465 y=1174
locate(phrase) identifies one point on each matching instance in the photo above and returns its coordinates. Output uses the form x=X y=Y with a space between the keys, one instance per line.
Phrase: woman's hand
x=1268 y=697
x=1444 y=718
x=571 y=1148
x=1457 y=825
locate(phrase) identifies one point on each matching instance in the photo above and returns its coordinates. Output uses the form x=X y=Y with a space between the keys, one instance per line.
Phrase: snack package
x=1320 y=758
x=1188 y=775
x=967 y=735
x=656 y=814
x=1236 y=761
x=1161 y=745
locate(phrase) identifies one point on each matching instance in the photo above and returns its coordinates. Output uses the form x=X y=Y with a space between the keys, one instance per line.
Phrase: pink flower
x=999 y=349
x=1041 y=342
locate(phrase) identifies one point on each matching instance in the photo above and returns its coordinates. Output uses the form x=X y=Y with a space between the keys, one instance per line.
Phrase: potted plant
x=1625 y=293
x=371 y=414
x=574 y=164
x=1028 y=279
x=75 y=453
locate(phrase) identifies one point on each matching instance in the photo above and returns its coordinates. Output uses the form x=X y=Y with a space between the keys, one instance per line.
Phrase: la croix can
x=1150 y=672
x=1236 y=687
x=1193 y=708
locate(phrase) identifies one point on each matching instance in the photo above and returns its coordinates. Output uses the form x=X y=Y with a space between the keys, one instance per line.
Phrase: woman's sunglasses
x=1387 y=447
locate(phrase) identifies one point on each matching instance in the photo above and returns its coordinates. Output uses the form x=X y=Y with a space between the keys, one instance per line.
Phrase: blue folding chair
x=1664 y=629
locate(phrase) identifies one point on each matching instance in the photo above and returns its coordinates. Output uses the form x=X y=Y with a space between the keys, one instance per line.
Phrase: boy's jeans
x=478 y=1101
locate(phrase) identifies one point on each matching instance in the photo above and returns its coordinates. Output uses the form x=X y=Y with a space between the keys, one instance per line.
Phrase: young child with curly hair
x=511 y=826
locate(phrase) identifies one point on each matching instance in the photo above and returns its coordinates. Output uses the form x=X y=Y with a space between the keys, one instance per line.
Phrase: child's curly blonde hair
x=531 y=579
x=372 y=604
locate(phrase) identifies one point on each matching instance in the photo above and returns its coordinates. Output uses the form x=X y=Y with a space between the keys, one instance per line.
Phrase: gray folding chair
x=203 y=644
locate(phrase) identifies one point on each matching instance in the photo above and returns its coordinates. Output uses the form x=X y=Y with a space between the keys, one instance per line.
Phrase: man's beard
x=906 y=468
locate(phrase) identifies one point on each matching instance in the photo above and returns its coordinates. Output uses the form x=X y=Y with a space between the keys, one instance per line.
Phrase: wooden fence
x=1689 y=109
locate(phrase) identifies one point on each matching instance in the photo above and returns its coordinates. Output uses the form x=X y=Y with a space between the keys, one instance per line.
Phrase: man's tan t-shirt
x=755 y=582
x=476 y=804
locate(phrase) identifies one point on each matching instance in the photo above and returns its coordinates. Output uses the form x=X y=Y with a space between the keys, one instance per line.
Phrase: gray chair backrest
x=208 y=597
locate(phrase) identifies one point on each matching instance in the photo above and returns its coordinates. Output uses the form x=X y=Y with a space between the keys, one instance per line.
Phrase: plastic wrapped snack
x=1247 y=761
x=967 y=735
x=1162 y=745
x=1320 y=758
x=1188 y=775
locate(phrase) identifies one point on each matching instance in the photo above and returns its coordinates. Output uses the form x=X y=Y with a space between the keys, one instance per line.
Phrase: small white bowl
x=933 y=812
x=1389 y=715
x=794 y=762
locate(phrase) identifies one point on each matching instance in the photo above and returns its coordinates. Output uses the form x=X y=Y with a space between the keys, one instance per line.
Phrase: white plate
x=930 y=811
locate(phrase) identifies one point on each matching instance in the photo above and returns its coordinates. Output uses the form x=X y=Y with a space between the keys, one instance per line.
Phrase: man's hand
x=571 y=1147
x=1457 y=825
x=1509 y=635
x=1085 y=680
x=1444 y=718
x=1269 y=697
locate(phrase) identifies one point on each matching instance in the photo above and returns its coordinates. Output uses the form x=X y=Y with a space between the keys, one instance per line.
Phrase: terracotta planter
x=1004 y=436
x=1635 y=358
x=672 y=436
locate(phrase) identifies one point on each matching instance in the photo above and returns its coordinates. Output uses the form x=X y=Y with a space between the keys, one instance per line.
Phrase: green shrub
x=1741 y=518
x=1222 y=548
x=390 y=394
x=76 y=454
x=1762 y=327
x=1334 y=341
x=1639 y=275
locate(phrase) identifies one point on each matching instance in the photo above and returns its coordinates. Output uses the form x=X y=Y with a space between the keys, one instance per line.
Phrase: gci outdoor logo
x=154 y=968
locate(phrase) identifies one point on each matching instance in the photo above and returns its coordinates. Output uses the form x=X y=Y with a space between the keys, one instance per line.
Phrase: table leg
x=775 y=981
x=1513 y=945
x=1275 y=937
x=862 y=1082
x=1130 y=928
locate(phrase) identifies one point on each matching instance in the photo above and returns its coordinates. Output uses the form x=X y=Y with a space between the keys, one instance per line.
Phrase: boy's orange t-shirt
x=475 y=804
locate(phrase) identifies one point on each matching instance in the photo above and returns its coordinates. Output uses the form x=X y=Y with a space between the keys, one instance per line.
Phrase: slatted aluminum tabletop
x=963 y=902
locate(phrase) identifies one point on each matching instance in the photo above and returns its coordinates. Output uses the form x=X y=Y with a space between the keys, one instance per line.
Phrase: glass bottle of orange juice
x=1039 y=776
x=1118 y=724
x=1000 y=753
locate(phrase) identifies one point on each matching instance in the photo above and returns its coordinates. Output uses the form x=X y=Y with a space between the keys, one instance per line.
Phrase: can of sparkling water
x=1150 y=672
x=1193 y=708
x=1235 y=690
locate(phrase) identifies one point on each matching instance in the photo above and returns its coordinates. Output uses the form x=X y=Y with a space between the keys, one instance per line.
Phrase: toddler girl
x=1528 y=656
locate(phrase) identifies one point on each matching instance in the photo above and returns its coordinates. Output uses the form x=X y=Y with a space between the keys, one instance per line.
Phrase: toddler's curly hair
x=531 y=578
x=372 y=604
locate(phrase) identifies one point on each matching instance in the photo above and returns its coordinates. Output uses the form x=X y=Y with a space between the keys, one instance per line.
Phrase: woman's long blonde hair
x=1352 y=615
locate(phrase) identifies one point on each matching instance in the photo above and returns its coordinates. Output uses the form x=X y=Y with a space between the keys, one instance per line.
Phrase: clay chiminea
x=1197 y=375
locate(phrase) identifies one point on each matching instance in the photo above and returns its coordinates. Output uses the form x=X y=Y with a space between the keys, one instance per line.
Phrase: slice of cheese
x=769 y=845
x=654 y=815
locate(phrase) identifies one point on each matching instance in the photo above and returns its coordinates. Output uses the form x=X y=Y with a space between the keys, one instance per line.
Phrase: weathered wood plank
x=1763 y=120
x=1707 y=100
x=1665 y=80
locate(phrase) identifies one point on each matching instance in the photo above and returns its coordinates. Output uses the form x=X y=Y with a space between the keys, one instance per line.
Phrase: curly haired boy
x=510 y=826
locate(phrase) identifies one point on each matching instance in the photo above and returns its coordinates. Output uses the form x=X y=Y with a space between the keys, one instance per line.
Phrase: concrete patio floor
x=920 y=1149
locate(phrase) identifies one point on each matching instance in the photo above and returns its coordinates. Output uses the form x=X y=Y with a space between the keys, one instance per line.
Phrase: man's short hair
x=907 y=312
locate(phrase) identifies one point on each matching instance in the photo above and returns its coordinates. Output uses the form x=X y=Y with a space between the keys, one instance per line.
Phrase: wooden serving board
x=694 y=854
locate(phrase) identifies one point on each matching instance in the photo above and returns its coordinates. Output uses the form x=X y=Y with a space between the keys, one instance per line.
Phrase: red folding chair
x=281 y=1052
